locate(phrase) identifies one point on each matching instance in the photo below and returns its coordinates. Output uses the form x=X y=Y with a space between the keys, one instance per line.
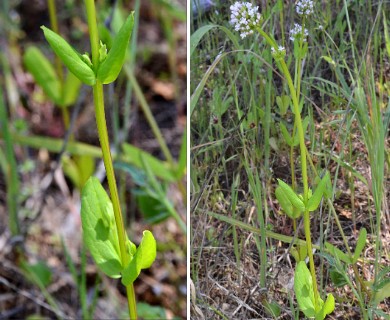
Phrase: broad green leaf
x=292 y=196
x=43 y=73
x=151 y=208
x=299 y=252
x=315 y=199
x=99 y=228
x=285 y=134
x=70 y=57
x=143 y=258
x=134 y=155
x=70 y=170
x=361 y=242
x=109 y=69
x=283 y=102
x=71 y=90
x=382 y=293
x=337 y=278
x=86 y=167
x=337 y=253
x=148 y=312
x=272 y=308
x=286 y=204
x=78 y=168
x=303 y=287
x=327 y=308
x=38 y=273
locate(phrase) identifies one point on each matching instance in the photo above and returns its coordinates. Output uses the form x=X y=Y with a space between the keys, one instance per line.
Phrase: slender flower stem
x=298 y=120
x=98 y=96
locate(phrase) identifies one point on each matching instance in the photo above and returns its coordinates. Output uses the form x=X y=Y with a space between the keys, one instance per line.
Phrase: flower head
x=305 y=7
x=278 y=52
x=244 y=17
x=297 y=32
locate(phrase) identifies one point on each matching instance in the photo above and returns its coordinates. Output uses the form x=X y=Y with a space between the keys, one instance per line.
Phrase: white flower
x=305 y=7
x=279 y=52
x=296 y=32
x=244 y=17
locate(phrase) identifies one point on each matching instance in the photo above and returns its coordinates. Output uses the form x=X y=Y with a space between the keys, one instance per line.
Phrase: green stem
x=149 y=116
x=11 y=169
x=298 y=119
x=98 y=96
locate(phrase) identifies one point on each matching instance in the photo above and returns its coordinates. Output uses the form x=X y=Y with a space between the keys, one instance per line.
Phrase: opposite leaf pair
x=293 y=204
x=107 y=70
x=101 y=236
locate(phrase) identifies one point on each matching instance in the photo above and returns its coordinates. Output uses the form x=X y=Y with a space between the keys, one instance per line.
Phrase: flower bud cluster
x=305 y=7
x=278 y=52
x=244 y=17
x=297 y=32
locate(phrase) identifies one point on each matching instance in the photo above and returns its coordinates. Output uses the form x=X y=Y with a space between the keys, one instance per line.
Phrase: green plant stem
x=10 y=170
x=149 y=116
x=350 y=255
x=298 y=119
x=153 y=125
x=98 y=96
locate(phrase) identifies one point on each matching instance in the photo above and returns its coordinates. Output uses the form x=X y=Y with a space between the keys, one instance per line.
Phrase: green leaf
x=134 y=155
x=198 y=35
x=272 y=308
x=78 y=168
x=99 y=228
x=361 y=242
x=143 y=258
x=86 y=167
x=382 y=293
x=337 y=278
x=151 y=208
x=147 y=312
x=327 y=308
x=292 y=196
x=71 y=90
x=283 y=102
x=286 y=204
x=285 y=134
x=43 y=73
x=303 y=287
x=70 y=57
x=299 y=252
x=109 y=69
x=329 y=60
x=38 y=273
x=305 y=124
x=337 y=253
x=315 y=199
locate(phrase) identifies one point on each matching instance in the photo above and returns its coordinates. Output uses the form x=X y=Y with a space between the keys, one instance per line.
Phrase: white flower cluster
x=305 y=7
x=296 y=32
x=278 y=52
x=244 y=17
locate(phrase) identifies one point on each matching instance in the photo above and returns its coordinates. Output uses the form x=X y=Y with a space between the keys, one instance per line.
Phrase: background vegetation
x=244 y=248
x=49 y=148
